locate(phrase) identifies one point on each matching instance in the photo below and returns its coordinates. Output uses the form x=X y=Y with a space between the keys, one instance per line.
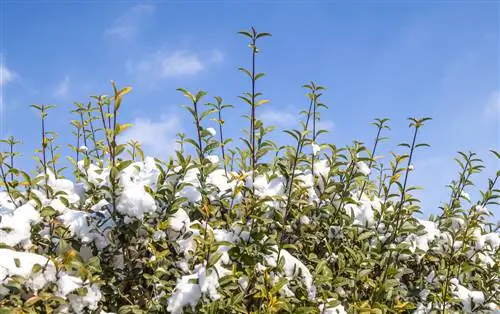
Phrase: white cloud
x=287 y=119
x=492 y=108
x=6 y=75
x=165 y=64
x=278 y=118
x=128 y=25
x=157 y=138
x=62 y=88
x=180 y=63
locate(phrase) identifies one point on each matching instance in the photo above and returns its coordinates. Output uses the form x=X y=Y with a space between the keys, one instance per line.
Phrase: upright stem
x=458 y=191
x=252 y=122
x=377 y=138
x=11 y=149
x=44 y=158
x=101 y=110
x=397 y=210
x=313 y=137
x=4 y=178
x=93 y=133
x=252 y=133
x=408 y=170
x=298 y=150
x=198 y=131
x=53 y=159
x=115 y=117
x=351 y=169
x=403 y=193
x=109 y=114
x=77 y=144
x=222 y=141
x=84 y=133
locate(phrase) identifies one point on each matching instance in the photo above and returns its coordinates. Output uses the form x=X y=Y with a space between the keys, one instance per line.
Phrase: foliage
x=258 y=228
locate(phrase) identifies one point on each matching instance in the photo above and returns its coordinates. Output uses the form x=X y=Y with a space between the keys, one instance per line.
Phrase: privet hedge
x=242 y=227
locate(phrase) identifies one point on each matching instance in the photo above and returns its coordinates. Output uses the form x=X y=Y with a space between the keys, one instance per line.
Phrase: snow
x=363 y=168
x=68 y=284
x=325 y=309
x=77 y=223
x=211 y=131
x=468 y=298
x=94 y=174
x=47 y=274
x=185 y=293
x=482 y=210
x=15 y=225
x=206 y=281
x=321 y=168
x=363 y=214
x=422 y=242
x=190 y=191
x=267 y=188
x=88 y=220
x=64 y=185
x=134 y=201
x=34 y=281
x=213 y=159
x=293 y=268
x=178 y=220
x=315 y=148
x=243 y=282
x=466 y=196
x=305 y=220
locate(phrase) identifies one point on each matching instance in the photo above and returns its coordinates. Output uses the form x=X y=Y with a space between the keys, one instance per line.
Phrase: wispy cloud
x=62 y=88
x=157 y=138
x=492 y=107
x=171 y=64
x=6 y=75
x=181 y=63
x=128 y=25
x=278 y=118
x=288 y=119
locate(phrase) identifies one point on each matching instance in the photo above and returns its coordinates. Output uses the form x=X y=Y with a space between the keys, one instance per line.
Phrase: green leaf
x=365 y=235
x=214 y=258
x=263 y=35
x=188 y=94
x=262 y=102
x=124 y=164
x=36 y=268
x=48 y=211
x=245 y=33
x=364 y=273
x=121 y=127
x=32 y=301
x=277 y=287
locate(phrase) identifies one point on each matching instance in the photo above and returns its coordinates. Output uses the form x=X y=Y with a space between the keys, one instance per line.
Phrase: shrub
x=248 y=228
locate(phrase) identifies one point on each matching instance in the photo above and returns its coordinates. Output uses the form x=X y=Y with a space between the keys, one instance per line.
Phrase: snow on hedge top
x=92 y=225
x=15 y=225
x=39 y=272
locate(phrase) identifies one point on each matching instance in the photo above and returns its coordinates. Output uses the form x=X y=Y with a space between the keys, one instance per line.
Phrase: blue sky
x=377 y=59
